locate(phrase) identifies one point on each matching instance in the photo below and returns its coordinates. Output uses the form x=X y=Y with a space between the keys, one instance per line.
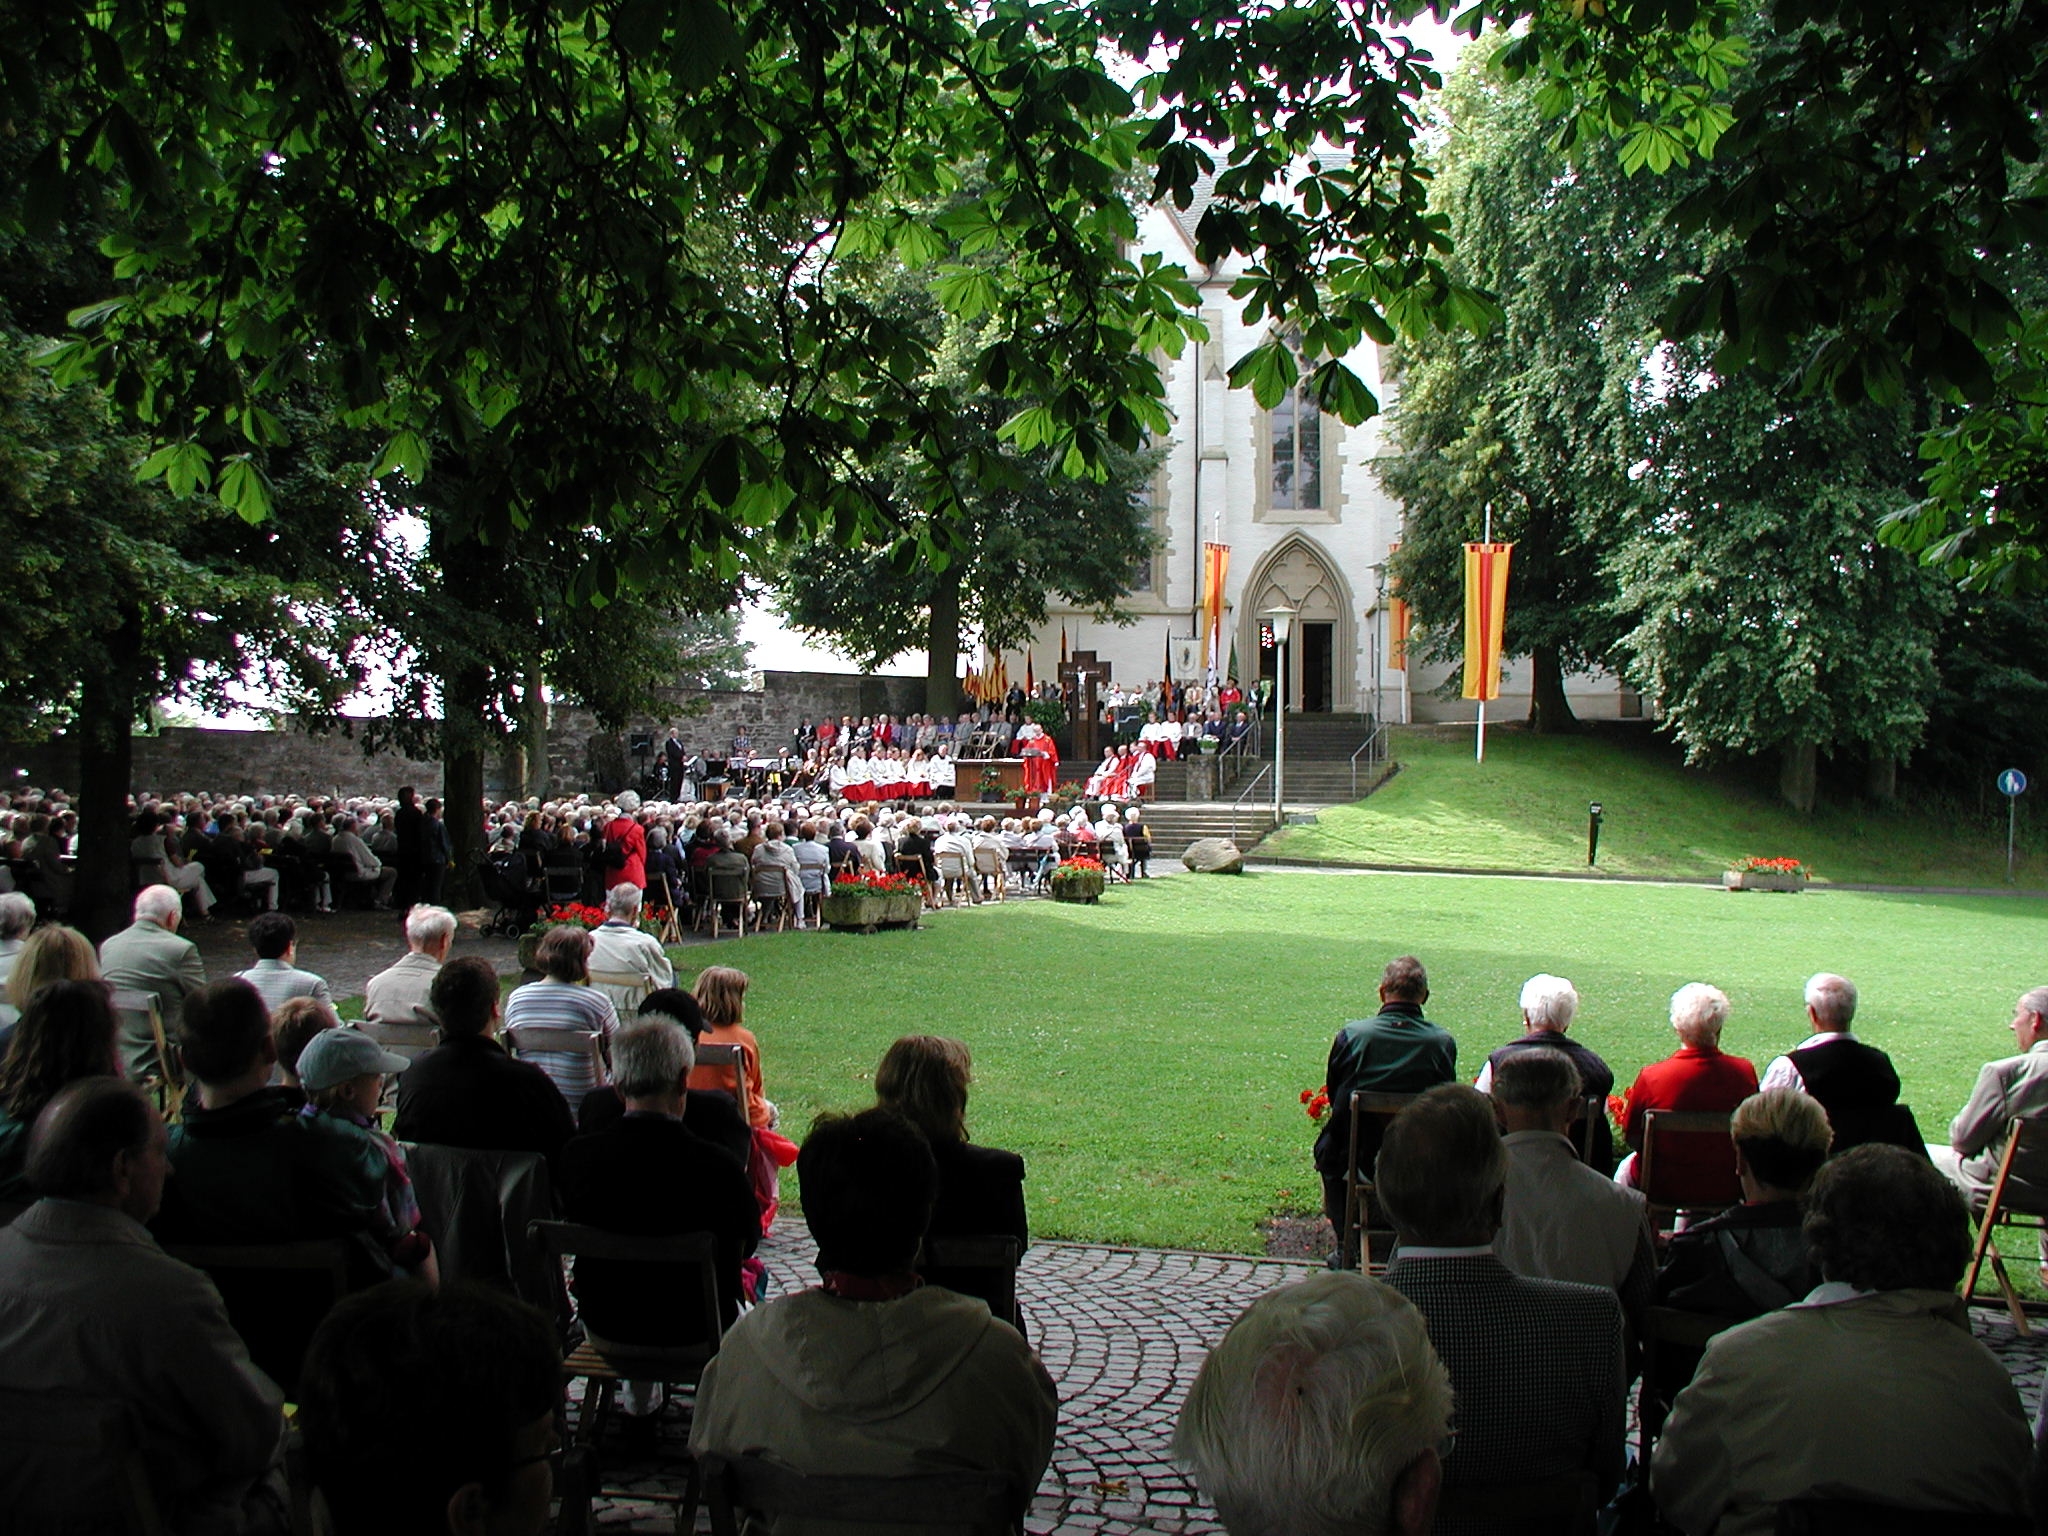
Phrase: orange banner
x=1215 y=570
x=1400 y=619
x=1486 y=610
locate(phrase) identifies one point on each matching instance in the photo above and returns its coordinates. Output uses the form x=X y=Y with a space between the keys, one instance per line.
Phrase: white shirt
x=1781 y=1073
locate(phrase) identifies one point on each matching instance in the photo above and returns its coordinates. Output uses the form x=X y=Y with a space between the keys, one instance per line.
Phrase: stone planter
x=1078 y=888
x=1757 y=880
x=869 y=910
x=529 y=950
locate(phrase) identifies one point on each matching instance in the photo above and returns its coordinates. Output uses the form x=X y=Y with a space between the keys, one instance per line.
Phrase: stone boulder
x=1214 y=856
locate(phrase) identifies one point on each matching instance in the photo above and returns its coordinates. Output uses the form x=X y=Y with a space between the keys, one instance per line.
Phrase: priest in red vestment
x=1041 y=758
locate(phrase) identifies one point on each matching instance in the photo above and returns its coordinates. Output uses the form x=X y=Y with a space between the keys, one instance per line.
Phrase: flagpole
x=1479 y=741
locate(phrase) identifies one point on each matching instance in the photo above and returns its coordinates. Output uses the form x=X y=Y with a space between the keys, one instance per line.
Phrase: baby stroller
x=514 y=890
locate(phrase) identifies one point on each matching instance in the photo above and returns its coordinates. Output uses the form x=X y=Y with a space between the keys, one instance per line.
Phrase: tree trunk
x=1881 y=779
x=1550 y=712
x=464 y=699
x=533 y=730
x=942 y=648
x=106 y=756
x=1798 y=774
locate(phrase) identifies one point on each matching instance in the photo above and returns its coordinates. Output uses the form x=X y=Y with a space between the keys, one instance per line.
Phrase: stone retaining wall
x=580 y=755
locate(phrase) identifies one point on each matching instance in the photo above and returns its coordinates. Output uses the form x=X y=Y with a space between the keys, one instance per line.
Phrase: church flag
x=1063 y=647
x=1167 y=675
x=1486 y=608
x=1400 y=619
x=1215 y=569
x=1030 y=676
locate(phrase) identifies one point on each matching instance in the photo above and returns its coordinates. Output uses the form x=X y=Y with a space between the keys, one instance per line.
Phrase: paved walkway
x=1122 y=1331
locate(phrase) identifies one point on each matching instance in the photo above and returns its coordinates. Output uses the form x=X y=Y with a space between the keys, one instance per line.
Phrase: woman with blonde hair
x=924 y=1078
x=721 y=992
x=66 y=1032
x=51 y=953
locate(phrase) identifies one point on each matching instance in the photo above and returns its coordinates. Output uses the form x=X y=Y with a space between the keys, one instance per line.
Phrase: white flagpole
x=1479 y=741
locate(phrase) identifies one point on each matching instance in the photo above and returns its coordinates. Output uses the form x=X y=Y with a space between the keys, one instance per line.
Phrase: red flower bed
x=1759 y=866
x=1317 y=1102
x=868 y=880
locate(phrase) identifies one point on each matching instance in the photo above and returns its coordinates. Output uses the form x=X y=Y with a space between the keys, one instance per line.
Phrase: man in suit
x=1397 y=1050
x=150 y=956
x=276 y=975
x=649 y=1174
x=1536 y=1364
x=1855 y=1083
x=2013 y=1088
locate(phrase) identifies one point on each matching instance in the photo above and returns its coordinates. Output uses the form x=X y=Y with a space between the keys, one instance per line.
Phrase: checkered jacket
x=1536 y=1365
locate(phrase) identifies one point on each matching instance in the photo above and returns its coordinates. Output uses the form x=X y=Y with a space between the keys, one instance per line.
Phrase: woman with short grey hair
x=1693 y=1168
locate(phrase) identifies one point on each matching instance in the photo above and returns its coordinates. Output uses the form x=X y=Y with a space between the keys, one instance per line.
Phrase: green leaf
x=405 y=453
x=242 y=490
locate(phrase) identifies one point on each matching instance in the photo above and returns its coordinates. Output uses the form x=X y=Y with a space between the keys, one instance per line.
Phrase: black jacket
x=470 y=1092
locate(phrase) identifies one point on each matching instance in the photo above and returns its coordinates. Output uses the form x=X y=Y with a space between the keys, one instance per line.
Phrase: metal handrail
x=1255 y=783
x=1376 y=739
x=1244 y=751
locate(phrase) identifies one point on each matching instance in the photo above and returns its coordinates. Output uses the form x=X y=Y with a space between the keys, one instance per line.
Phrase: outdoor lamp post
x=1595 y=814
x=1281 y=622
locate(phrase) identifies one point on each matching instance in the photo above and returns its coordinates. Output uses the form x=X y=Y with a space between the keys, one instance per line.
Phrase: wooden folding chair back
x=992 y=866
x=146 y=1048
x=1680 y=1122
x=1585 y=1137
x=983 y=1266
x=69 y=1462
x=728 y=886
x=733 y=1060
x=1660 y=1330
x=411 y=1041
x=275 y=1293
x=671 y=921
x=982 y=1501
x=624 y=988
x=1557 y=1506
x=2026 y=1144
x=1354 y=1247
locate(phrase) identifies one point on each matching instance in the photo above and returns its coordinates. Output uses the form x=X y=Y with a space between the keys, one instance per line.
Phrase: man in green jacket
x=1395 y=1051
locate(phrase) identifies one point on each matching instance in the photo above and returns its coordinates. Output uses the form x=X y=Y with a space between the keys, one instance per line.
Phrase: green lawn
x=1146 y=1055
x=1525 y=808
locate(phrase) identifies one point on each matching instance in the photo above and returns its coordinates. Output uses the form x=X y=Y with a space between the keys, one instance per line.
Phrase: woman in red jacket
x=1691 y=1168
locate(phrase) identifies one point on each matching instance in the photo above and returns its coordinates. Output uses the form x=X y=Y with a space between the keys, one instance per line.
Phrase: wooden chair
x=275 y=1293
x=2004 y=1207
x=983 y=1266
x=1556 y=1506
x=69 y=1462
x=734 y=1059
x=624 y=988
x=1680 y=1122
x=1354 y=1246
x=671 y=924
x=1662 y=1329
x=991 y=868
x=723 y=888
x=956 y=877
x=411 y=1041
x=146 y=1049
x=913 y=865
x=1584 y=1132
x=1854 y=1517
x=603 y=1364
x=527 y=1040
x=983 y=1501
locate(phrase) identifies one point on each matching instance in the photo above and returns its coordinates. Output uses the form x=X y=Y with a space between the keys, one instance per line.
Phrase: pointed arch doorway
x=1322 y=662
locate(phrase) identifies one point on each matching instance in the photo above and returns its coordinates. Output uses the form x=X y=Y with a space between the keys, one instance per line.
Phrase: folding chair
x=768 y=889
x=955 y=878
x=728 y=888
x=981 y=1501
x=146 y=1050
x=275 y=1293
x=671 y=926
x=477 y=1206
x=603 y=1364
x=530 y=1040
x=913 y=865
x=411 y=1041
x=624 y=988
x=983 y=1266
x=1557 y=1506
x=734 y=1059
x=1584 y=1132
x=1681 y=1122
x=1354 y=1245
x=2001 y=1209
x=991 y=868
x=1662 y=1329
x=69 y=1461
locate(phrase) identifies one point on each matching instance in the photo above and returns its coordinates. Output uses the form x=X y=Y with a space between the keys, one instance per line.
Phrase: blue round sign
x=2012 y=783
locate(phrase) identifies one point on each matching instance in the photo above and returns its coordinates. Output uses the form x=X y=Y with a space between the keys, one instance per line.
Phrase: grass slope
x=1146 y=1055
x=1525 y=808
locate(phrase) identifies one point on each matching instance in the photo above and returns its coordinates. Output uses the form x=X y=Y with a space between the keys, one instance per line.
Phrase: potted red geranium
x=1759 y=874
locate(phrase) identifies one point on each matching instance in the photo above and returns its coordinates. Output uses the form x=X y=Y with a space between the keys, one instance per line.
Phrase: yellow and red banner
x=1486 y=610
x=1400 y=620
x=1030 y=676
x=1215 y=570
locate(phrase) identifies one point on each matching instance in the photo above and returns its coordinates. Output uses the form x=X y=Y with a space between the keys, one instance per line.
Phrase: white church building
x=1296 y=496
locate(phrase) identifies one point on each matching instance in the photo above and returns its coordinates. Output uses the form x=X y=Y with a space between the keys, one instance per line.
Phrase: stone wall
x=294 y=760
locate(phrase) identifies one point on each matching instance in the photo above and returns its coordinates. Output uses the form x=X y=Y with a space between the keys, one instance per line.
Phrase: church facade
x=1296 y=497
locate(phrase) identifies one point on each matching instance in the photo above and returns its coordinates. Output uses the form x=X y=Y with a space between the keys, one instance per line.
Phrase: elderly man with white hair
x=151 y=956
x=398 y=994
x=1855 y=1083
x=2011 y=1088
x=17 y=917
x=1321 y=1412
x=1549 y=1004
x=1692 y=1169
